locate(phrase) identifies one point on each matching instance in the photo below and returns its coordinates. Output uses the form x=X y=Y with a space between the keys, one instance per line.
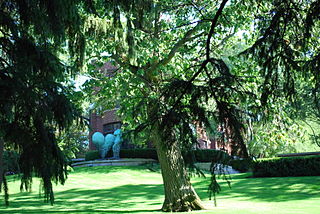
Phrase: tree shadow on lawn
x=275 y=189
x=121 y=199
x=44 y=211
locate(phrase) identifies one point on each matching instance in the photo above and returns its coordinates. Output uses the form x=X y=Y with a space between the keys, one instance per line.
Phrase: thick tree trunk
x=179 y=193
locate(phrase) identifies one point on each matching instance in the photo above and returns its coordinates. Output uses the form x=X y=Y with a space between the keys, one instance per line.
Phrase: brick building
x=106 y=124
x=206 y=142
x=109 y=122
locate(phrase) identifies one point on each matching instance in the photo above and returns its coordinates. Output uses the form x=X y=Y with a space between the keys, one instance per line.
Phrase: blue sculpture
x=104 y=144
x=98 y=140
x=117 y=142
x=108 y=143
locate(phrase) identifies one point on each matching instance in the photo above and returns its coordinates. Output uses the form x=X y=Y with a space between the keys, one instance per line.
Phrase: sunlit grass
x=111 y=189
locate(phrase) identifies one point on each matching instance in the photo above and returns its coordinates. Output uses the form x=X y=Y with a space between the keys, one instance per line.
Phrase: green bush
x=11 y=162
x=208 y=155
x=243 y=165
x=287 y=166
x=139 y=153
x=92 y=155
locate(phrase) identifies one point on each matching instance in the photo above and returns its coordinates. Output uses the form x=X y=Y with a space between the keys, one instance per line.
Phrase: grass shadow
x=111 y=200
x=277 y=189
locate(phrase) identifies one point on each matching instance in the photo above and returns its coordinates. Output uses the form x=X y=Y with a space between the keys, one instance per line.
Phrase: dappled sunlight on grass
x=109 y=189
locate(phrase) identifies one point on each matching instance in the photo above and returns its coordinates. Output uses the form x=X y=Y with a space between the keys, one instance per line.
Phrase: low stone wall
x=226 y=169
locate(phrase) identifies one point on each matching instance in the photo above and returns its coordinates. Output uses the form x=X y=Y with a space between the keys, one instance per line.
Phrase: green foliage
x=73 y=142
x=206 y=155
x=288 y=166
x=35 y=97
x=279 y=134
x=92 y=155
x=11 y=162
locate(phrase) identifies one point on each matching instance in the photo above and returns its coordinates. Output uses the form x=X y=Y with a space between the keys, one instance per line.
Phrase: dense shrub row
x=208 y=155
x=242 y=165
x=201 y=155
x=93 y=155
x=288 y=166
x=125 y=153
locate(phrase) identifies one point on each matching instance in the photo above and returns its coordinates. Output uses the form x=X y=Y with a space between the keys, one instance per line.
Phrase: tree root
x=182 y=206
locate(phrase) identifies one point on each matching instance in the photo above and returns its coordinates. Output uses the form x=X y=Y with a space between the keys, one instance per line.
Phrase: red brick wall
x=97 y=122
x=203 y=139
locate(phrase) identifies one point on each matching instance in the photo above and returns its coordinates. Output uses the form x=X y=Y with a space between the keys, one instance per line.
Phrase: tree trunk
x=1 y=161
x=179 y=193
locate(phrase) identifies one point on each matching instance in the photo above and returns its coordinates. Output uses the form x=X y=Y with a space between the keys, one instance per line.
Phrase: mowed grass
x=110 y=189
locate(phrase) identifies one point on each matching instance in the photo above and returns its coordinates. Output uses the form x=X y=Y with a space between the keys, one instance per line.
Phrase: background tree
x=73 y=141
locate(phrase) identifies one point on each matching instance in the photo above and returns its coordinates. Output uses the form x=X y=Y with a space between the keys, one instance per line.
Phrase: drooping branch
x=205 y=62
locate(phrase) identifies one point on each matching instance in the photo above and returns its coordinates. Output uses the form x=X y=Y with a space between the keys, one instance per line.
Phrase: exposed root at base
x=182 y=206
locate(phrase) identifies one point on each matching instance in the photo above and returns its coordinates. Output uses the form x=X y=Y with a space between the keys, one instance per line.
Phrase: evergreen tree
x=34 y=98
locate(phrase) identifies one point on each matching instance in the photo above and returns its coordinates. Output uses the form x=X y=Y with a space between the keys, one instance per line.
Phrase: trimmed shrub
x=208 y=155
x=242 y=165
x=139 y=153
x=92 y=155
x=287 y=166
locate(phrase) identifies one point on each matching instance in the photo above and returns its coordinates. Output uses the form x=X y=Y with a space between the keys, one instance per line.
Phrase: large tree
x=186 y=61
x=181 y=62
x=34 y=93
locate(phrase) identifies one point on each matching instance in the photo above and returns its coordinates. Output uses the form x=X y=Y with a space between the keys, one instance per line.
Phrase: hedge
x=208 y=155
x=242 y=165
x=201 y=155
x=125 y=153
x=287 y=166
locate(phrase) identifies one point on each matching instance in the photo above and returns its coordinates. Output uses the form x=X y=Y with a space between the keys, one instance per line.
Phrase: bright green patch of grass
x=111 y=189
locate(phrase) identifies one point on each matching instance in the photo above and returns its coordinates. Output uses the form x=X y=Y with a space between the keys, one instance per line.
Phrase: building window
x=111 y=127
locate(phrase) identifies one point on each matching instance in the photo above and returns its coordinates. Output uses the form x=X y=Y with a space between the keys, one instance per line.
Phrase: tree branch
x=132 y=68
x=174 y=49
x=213 y=26
x=208 y=59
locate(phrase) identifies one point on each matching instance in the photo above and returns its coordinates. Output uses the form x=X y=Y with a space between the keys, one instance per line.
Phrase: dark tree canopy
x=34 y=97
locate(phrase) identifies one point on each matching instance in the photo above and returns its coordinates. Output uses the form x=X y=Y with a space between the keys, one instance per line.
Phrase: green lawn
x=112 y=189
